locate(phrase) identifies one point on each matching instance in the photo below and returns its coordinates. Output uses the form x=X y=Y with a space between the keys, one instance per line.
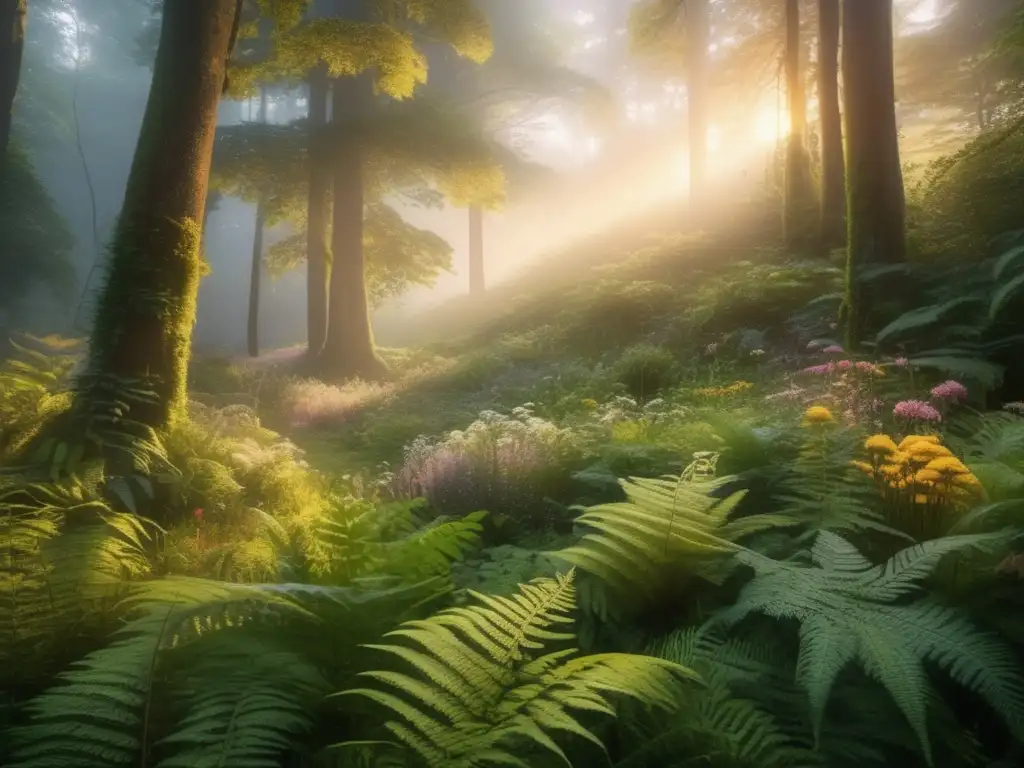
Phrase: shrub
x=510 y=466
x=645 y=370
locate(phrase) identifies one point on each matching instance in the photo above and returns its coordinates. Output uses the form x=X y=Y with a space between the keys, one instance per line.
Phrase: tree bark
x=833 y=166
x=349 y=350
x=13 y=21
x=252 y=335
x=698 y=34
x=143 y=327
x=318 y=212
x=875 y=201
x=799 y=200
x=476 y=250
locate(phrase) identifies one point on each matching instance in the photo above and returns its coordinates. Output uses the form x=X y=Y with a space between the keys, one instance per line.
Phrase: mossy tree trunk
x=143 y=327
x=318 y=211
x=349 y=349
x=13 y=20
x=801 y=212
x=252 y=336
x=698 y=37
x=833 y=170
x=476 y=250
x=875 y=201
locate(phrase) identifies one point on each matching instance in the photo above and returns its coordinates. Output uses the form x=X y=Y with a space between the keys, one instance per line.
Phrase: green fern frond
x=666 y=526
x=100 y=713
x=483 y=690
x=850 y=612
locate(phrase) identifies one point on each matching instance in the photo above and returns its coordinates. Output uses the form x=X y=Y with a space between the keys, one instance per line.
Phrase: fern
x=665 y=524
x=482 y=684
x=852 y=611
x=101 y=712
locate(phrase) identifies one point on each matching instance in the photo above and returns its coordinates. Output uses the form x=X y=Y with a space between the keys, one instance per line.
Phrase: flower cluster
x=920 y=466
x=732 y=389
x=916 y=410
x=844 y=366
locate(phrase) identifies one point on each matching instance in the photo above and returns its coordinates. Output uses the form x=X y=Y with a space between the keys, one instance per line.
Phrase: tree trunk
x=348 y=350
x=13 y=20
x=800 y=213
x=476 y=250
x=143 y=327
x=252 y=336
x=317 y=212
x=833 y=170
x=875 y=202
x=698 y=34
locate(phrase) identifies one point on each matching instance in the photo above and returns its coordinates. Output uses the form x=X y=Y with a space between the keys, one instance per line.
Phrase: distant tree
x=146 y=309
x=799 y=197
x=252 y=335
x=833 y=169
x=875 y=197
x=13 y=18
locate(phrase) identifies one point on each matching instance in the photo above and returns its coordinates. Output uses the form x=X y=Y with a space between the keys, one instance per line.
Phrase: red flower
x=197 y=513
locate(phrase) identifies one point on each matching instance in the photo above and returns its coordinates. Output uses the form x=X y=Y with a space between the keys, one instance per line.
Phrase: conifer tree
x=799 y=201
x=833 y=170
x=13 y=17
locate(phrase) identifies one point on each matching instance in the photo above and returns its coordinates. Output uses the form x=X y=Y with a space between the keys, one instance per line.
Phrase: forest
x=511 y=383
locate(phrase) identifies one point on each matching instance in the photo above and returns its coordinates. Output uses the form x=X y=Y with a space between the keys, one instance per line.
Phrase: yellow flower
x=967 y=481
x=910 y=440
x=899 y=458
x=892 y=470
x=589 y=403
x=948 y=465
x=863 y=466
x=818 y=414
x=927 y=476
x=924 y=452
x=880 y=444
x=920 y=498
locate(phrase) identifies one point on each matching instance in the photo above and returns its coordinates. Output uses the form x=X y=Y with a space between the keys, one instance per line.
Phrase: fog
x=83 y=70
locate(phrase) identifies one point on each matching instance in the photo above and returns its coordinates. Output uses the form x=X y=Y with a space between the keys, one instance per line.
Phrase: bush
x=511 y=466
x=645 y=370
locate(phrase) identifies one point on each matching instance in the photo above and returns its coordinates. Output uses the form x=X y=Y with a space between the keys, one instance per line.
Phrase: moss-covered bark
x=801 y=215
x=146 y=310
x=13 y=18
x=318 y=211
x=875 y=201
x=698 y=34
x=348 y=349
x=252 y=335
x=833 y=169
x=476 y=250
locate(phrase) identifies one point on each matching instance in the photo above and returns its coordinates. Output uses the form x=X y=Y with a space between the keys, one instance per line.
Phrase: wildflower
x=756 y=352
x=825 y=369
x=844 y=365
x=197 y=513
x=928 y=476
x=865 y=367
x=880 y=444
x=833 y=349
x=951 y=391
x=863 y=466
x=926 y=451
x=948 y=465
x=909 y=440
x=901 y=362
x=915 y=410
x=818 y=414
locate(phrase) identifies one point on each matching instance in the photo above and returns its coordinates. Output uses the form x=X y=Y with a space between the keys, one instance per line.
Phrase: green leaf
x=1005 y=295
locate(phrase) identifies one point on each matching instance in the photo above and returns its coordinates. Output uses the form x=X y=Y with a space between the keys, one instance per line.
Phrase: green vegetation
x=642 y=510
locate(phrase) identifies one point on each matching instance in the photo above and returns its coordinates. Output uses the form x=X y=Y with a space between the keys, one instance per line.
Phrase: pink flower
x=901 y=362
x=950 y=390
x=197 y=513
x=825 y=369
x=844 y=365
x=833 y=349
x=916 y=410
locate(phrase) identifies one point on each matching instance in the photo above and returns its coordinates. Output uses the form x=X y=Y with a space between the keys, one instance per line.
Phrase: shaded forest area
x=737 y=480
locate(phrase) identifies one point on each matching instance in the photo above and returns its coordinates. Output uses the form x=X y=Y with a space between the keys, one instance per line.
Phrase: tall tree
x=833 y=170
x=146 y=309
x=799 y=183
x=252 y=336
x=875 y=200
x=318 y=208
x=13 y=18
